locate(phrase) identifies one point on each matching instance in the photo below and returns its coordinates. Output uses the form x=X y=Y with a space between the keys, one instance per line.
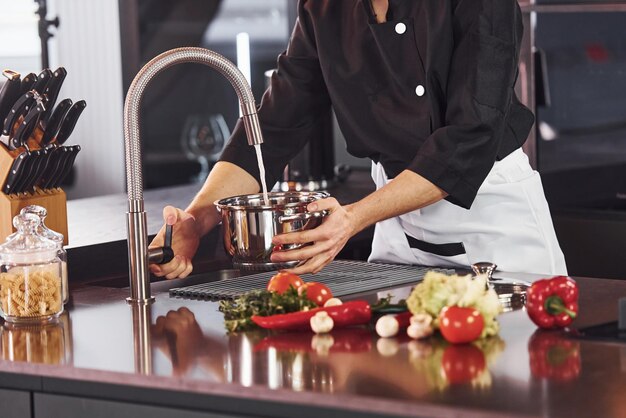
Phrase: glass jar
x=31 y=287
x=44 y=231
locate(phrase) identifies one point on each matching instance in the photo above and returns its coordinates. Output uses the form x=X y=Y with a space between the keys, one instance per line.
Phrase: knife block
x=54 y=201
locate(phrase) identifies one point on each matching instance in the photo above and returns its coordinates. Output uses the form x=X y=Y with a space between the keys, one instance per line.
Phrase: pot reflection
x=49 y=343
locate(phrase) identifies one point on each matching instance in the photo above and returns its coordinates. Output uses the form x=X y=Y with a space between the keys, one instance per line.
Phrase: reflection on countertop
x=180 y=345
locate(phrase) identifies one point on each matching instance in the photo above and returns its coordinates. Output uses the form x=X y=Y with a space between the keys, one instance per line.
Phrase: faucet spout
x=136 y=216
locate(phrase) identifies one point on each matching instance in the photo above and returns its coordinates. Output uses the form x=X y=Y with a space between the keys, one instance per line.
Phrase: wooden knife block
x=54 y=200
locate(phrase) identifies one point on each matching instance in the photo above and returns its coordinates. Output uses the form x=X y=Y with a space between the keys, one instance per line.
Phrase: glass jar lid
x=42 y=229
x=26 y=246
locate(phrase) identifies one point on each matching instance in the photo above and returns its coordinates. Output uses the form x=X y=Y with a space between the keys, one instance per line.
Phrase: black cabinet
x=15 y=404
x=55 y=406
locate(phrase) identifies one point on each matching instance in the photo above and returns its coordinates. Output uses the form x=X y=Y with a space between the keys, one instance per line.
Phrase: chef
x=425 y=89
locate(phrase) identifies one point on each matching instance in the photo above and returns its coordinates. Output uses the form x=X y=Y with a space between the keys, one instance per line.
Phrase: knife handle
x=27 y=126
x=9 y=93
x=28 y=82
x=67 y=165
x=52 y=92
x=67 y=127
x=14 y=173
x=42 y=81
x=20 y=108
x=54 y=122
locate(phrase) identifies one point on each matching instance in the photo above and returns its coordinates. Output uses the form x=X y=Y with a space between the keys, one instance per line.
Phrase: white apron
x=509 y=224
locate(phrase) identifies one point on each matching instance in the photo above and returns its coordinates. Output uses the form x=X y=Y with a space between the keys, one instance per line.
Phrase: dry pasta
x=30 y=293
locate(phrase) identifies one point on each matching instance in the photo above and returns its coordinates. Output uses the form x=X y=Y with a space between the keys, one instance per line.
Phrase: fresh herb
x=237 y=312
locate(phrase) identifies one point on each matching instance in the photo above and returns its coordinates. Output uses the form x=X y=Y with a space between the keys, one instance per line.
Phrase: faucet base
x=148 y=301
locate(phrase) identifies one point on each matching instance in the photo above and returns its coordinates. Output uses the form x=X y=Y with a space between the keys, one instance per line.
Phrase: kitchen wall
x=87 y=44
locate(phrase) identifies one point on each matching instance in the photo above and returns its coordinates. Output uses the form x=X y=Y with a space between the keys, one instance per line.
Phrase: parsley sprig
x=238 y=312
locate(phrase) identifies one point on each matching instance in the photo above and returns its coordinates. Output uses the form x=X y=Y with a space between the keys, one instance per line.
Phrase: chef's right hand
x=185 y=241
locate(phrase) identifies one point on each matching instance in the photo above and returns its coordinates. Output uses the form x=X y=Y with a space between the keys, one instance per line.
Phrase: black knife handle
x=28 y=82
x=20 y=108
x=37 y=168
x=26 y=128
x=67 y=166
x=21 y=184
x=54 y=122
x=55 y=167
x=67 y=127
x=42 y=81
x=14 y=173
x=9 y=93
x=55 y=156
x=52 y=92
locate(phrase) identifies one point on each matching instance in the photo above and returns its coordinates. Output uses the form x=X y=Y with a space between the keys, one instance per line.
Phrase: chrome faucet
x=138 y=254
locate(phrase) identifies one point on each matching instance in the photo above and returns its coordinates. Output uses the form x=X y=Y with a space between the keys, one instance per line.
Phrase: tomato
x=316 y=292
x=282 y=280
x=462 y=363
x=460 y=325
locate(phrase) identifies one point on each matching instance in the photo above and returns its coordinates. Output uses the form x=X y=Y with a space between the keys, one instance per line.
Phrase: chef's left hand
x=328 y=238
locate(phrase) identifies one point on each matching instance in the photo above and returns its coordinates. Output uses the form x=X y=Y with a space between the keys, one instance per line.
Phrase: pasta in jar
x=30 y=293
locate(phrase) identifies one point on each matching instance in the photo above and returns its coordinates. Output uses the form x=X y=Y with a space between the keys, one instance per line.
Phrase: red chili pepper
x=552 y=303
x=350 y=340
x=553 y=357
x=356 y=312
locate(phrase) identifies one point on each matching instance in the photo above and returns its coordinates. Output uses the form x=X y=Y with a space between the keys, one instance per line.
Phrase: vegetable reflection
x=443 y=364
x=553 y=356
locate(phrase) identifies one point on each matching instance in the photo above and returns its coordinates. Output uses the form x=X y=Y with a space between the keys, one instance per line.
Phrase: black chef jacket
x=430 y=90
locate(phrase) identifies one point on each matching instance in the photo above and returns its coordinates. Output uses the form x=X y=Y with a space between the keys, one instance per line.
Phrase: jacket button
x=420 y=90
x=400 y=28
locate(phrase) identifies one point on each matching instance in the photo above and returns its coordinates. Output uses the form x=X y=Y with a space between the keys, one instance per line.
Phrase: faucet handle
x=164 y=254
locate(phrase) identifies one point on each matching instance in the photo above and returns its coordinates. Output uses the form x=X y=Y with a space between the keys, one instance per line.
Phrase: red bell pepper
x=553 y=357
x=356 y=312
x=552 y=303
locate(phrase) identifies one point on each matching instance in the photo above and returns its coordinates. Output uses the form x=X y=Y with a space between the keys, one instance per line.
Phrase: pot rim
x=223 y=203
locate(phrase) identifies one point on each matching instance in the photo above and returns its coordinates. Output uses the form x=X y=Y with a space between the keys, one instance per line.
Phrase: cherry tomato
x=460 y=325
x=316 y=292
x=282 y=280
x=462 y=363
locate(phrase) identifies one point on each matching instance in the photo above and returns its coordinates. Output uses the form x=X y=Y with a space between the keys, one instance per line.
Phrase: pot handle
x=304 y=216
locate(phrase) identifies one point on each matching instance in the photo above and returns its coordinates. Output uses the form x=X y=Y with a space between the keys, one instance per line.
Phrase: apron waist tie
x=446 y=250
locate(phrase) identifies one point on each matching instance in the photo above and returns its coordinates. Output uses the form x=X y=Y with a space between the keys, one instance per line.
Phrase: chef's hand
x=328 y=238
x=185 y=241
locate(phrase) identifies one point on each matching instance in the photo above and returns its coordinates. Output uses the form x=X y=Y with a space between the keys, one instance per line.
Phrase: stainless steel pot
x=249 y=224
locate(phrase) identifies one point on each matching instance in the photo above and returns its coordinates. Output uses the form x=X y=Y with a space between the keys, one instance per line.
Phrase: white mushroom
x=420 y=326
x=321 y=322
x=333 y=302
x=387 y=326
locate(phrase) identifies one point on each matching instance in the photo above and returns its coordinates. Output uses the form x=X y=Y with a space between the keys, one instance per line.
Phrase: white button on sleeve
x=400 y=28
x=420 y=90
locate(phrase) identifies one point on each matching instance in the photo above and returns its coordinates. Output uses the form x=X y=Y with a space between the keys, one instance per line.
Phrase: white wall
x=87 y=44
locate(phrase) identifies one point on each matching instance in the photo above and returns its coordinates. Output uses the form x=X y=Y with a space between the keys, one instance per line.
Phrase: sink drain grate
x=342 y=277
